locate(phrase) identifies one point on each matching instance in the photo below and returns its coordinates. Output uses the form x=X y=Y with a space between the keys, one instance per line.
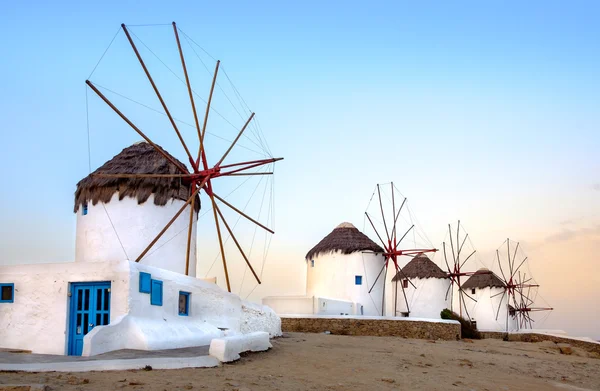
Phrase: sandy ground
x=330 y=362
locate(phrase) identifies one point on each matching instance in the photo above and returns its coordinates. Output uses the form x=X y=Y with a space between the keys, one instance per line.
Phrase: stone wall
x=589 y=346
x=385 y=327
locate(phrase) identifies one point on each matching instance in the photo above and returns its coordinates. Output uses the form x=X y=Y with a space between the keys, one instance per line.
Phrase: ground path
x=330 y=362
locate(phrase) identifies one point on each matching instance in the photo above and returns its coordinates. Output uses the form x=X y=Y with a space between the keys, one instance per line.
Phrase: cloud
x=569 y=234
x=596 y=186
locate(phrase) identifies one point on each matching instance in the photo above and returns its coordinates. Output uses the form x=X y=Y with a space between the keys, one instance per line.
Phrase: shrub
x=467 y=328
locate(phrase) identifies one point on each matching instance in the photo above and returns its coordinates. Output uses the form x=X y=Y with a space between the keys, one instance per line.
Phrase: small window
x=84 y=209
x=473 y=291
x=358 y=280
x=7 y=293
x=312 y=263
x=145 y=282
x=404 y=283
x=156 y=294
x=184 y=303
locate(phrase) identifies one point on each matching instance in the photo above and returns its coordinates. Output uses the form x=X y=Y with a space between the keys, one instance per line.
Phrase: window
x=156 y=294
x=473 y=291
x=312 y=263
x=7 y=293
x=358 y=280
x=84 y=209
x=184 y=303
x=145 y=282
x=404 y=283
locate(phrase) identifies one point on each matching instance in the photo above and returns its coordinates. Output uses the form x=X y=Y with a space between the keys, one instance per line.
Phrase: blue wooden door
x=90 y=307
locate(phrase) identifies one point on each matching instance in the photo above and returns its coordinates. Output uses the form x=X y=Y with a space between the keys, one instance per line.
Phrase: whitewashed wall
x=484 y=310
x=290 y=304
x=333 y=276
x=136 y=226
x=37 y=320
x=427 y=300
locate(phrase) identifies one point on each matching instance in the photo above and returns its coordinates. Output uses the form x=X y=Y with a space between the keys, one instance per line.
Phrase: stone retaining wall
x=375 y=327
x=537 y=337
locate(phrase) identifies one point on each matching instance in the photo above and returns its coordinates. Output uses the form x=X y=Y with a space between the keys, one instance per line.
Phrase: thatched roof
x=420 y=267
x=140 y=158
x=483 y=278
x=345 y=238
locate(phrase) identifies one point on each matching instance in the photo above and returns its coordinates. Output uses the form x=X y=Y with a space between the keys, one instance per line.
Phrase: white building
x=340 y=271
x=118 y=217
x=490 y=309
x=428 y=299
x=104 y=300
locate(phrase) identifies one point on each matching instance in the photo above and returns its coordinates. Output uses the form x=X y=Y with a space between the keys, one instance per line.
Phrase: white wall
x=37 y=320
x=333 y=276
x=290 y=304
x=427 y=300
x=136 y=226
x=484 y=310
x=213 y=313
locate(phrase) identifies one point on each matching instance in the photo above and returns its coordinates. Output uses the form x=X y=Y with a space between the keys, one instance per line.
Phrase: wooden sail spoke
x=212 y=89
x=376 y=232
x=243 y=214
x=162 y=102
x=379 y=275
x=189 y=238
x=234 y=141
x=141 y=175
x=250 y=173
x=116 y=110
x=236 y=243
x=166 y=227
x=212 y=199
x=383 y=215
x=258 y=164
x=189 y=88
x=263 y=161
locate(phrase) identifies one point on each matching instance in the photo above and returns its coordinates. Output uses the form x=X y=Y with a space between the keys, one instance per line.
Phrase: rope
x=87 y=119
x=90 y=169
x=262 y=154
x=105 y=50
x=183 y=82
x=235 y=225
x=116 y=233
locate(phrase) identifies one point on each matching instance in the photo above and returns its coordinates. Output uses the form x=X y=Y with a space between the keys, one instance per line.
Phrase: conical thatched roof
x=483 y=278
x=420 y=267
x=140 y=158
x=345 y=238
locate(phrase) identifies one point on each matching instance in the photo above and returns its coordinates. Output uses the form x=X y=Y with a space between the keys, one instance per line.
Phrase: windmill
x=456 y=248
x=203 y=175
x=520 y=289
x=393 y=221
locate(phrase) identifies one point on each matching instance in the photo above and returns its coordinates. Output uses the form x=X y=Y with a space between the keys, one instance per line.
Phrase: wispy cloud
x=596 y=186
x=569 y=234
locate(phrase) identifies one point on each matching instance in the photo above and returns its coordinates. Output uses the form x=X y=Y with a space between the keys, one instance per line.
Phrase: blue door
x=90 y=307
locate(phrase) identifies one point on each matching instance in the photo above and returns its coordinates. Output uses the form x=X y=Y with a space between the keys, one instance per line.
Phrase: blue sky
x=483 y=112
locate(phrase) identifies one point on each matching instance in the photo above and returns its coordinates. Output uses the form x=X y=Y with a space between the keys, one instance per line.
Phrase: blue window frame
x=7 y=292
x=358 y=280
x=145 y=282
x=84 y=209
x=184 y=303
x=312 y=263
x=156 y=294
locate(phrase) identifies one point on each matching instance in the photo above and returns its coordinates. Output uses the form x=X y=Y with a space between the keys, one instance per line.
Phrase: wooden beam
x=162 y=102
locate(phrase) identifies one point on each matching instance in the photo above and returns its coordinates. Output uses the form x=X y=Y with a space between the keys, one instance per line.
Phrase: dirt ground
x=331 y=362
